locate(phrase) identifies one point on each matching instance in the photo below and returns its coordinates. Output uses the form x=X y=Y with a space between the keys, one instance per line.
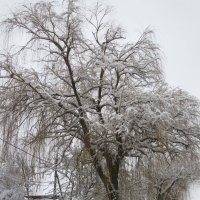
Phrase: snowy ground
x=194 y=193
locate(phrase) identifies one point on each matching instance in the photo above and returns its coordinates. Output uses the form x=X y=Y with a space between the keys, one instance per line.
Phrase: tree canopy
x=78 y=89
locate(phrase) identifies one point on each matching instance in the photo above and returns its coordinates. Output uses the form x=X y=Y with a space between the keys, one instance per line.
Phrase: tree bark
x=113 y=164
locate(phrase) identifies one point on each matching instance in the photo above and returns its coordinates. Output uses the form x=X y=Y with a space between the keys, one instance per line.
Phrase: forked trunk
x=113 y=168
x=113 y=193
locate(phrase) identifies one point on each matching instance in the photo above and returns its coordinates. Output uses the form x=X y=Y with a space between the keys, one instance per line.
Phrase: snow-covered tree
x=168 y=180
x=11 y=187
x=78 y=87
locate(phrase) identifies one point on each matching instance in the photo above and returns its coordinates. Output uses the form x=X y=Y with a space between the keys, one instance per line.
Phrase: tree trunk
x=160 y=197
x=113 y=193
x=109 y=180
x=113 y=168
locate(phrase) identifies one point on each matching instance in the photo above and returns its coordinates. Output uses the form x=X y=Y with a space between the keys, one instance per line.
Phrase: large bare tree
x=79 y=87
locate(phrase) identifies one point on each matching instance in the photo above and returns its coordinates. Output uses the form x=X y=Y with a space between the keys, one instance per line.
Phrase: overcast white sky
x=176 y=24
x=177 y=28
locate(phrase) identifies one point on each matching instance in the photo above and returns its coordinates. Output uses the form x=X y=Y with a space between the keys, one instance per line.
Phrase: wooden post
x=55 y=177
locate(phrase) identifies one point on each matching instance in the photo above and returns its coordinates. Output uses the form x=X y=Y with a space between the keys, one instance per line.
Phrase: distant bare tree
x=169 y=180
x=78 y=88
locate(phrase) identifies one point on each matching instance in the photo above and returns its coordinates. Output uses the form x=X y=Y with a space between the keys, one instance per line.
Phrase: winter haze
x=177 y=29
